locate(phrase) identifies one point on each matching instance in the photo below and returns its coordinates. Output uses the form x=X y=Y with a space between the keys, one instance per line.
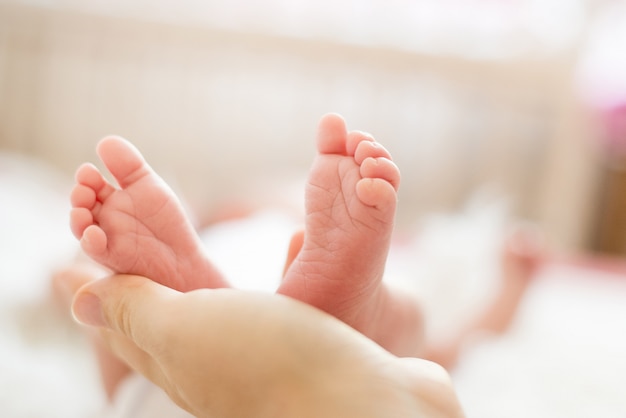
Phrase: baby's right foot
x=338 y=264
x=141 y=227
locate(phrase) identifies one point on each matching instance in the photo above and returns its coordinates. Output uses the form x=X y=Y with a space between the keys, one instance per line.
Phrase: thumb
x=133 y=306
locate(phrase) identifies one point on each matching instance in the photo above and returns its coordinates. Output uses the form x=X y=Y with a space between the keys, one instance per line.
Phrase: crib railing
x=214 y=109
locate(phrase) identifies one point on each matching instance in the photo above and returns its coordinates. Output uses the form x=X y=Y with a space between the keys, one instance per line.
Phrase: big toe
x=123 y=160
x=331 y=135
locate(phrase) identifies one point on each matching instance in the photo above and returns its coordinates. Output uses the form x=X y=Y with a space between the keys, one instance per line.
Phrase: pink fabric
x=614 y=121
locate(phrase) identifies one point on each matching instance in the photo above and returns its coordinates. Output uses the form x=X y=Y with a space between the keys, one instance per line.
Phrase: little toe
x=377 y=193
x=80 y=219
x=371 y=149
x=94 y=240
x=123 y=160
x=331 y=135
x=82 y=197
x=381 y=168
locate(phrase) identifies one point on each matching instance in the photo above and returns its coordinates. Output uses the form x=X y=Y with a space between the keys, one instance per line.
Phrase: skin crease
x=230 y=353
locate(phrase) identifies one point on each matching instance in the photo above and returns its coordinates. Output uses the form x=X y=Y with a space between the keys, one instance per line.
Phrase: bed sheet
x=46 y=369
x=565 y=355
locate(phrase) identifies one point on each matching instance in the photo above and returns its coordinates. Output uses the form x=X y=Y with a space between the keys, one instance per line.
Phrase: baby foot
x=351 y=198
x=140 y=227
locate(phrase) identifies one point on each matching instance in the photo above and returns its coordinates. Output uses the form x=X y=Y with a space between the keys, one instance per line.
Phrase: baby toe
x=367 y=149
x=89 y=176
x=80 y=219
x=94 y=240
x=377 y=193
x=331 y=135
x=355 y=138
x=82 y=197
x=381 y=168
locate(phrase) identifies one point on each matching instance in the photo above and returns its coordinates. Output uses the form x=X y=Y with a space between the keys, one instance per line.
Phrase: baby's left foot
x=139 y=227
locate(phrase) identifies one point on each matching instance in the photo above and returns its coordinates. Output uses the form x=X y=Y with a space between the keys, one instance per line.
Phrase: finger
x=125 y=304
x=67 y=281
x=123 y=307
x=431 y=383
x=133 y=356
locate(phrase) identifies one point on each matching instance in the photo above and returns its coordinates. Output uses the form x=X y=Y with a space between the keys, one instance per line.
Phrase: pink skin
x=141 y=228
x=336 y=264
x=65 y=284
x=339 y=262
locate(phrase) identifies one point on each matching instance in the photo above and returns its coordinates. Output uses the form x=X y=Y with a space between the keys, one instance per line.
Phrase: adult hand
x=230 y=353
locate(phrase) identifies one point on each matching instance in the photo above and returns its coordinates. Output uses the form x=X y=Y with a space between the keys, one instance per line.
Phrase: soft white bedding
x=565 y=355
x=45 y=367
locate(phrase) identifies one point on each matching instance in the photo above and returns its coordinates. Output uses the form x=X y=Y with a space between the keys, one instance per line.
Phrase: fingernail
x=87 y=310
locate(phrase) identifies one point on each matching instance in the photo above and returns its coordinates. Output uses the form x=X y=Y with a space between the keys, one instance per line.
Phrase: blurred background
x=467 y=95
x=517 y=102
